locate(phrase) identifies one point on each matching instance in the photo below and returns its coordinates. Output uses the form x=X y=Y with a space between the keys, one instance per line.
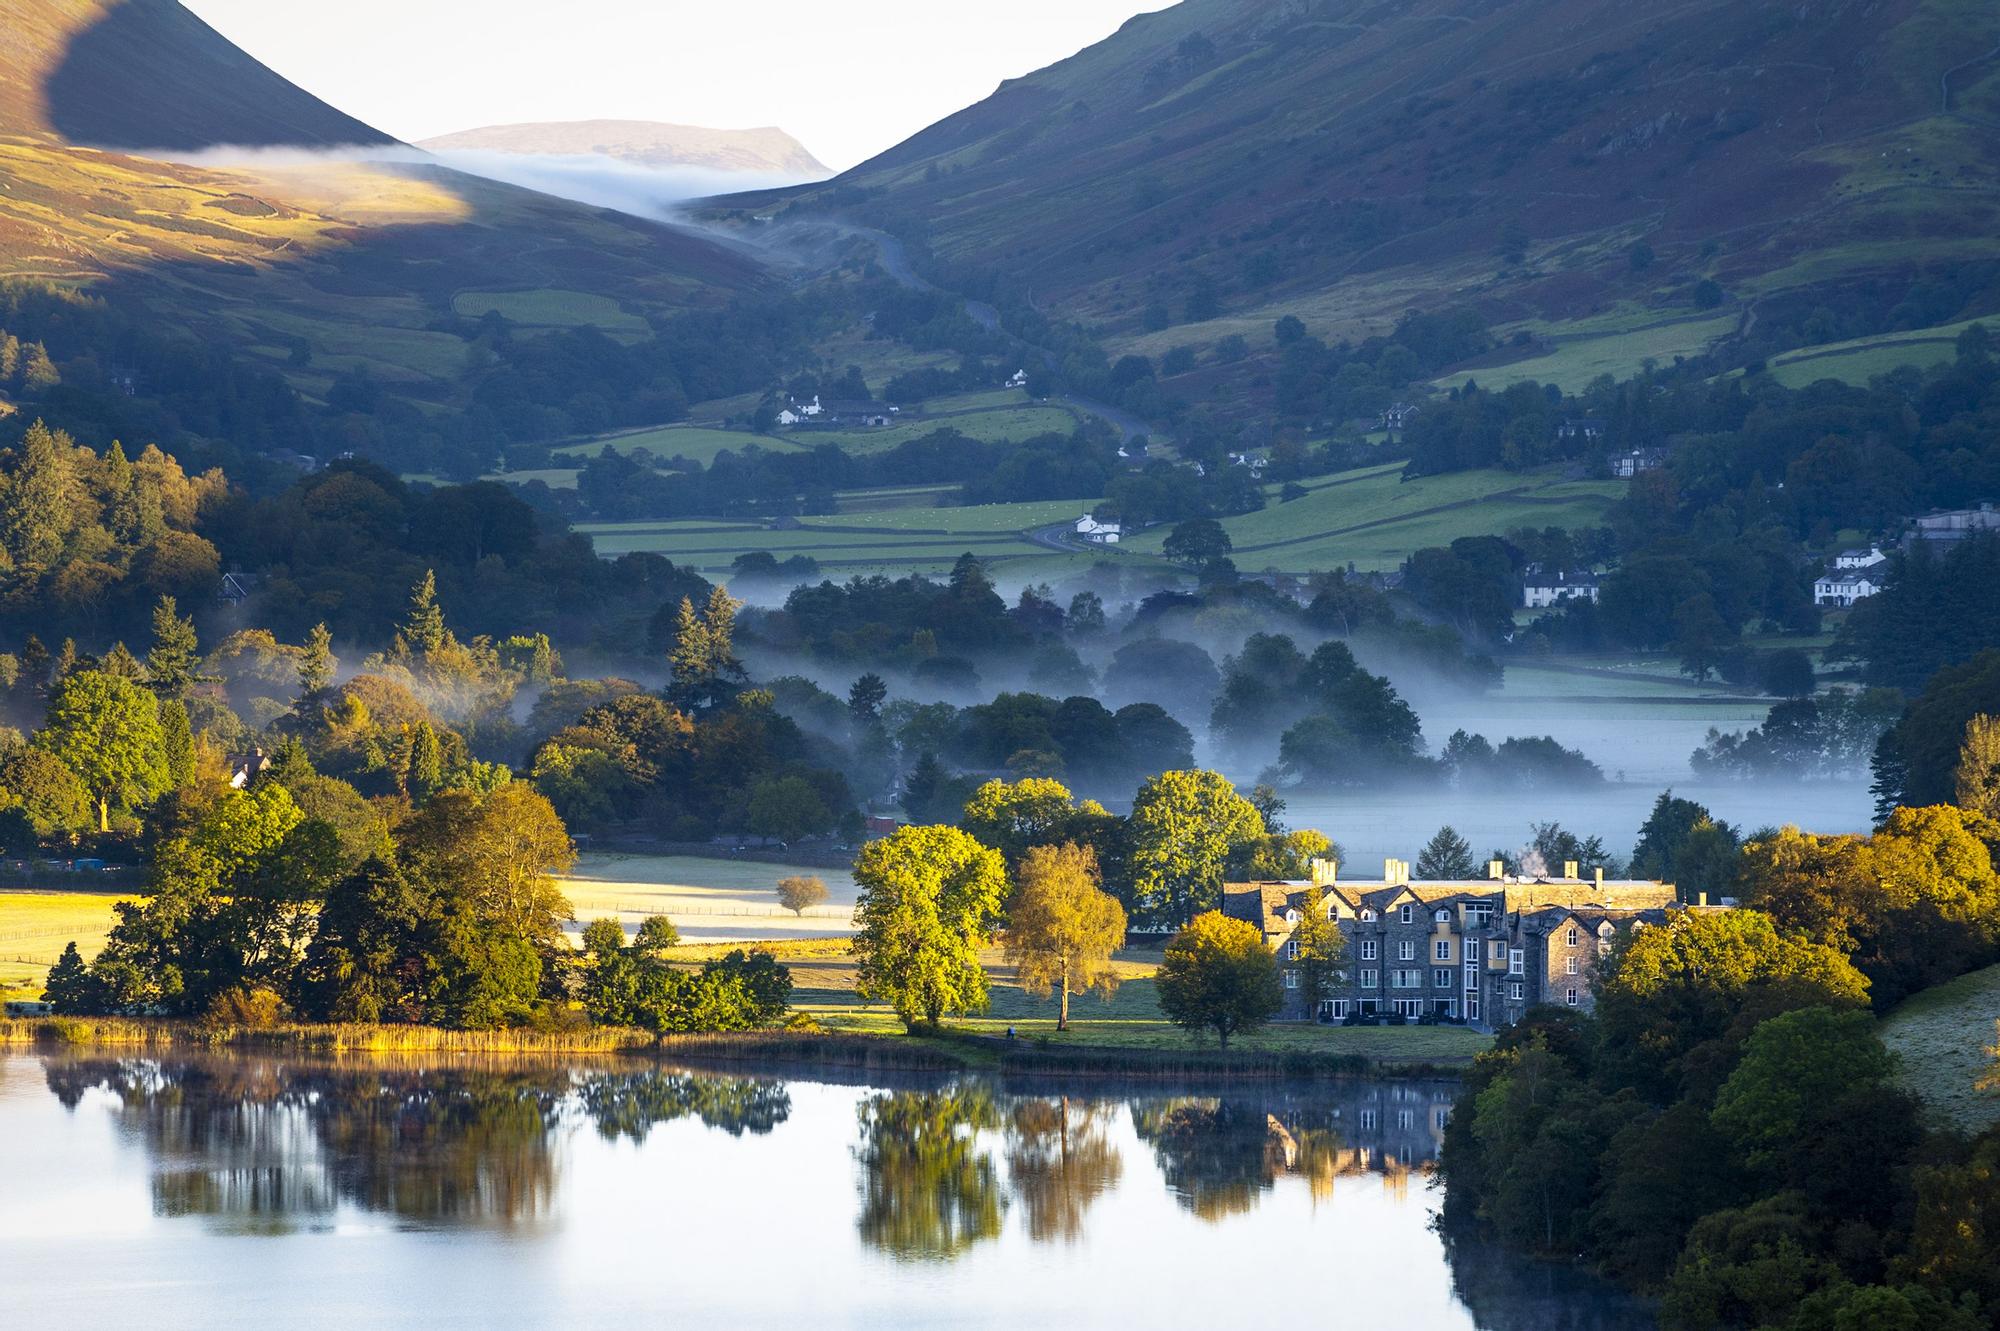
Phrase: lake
x=245 y=1190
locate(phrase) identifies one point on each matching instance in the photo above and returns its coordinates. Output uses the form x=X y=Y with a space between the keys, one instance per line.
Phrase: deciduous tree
x=1185 y=825
x=1218 y=975
x=800 y=893
x=929 y=896
x=1062 y=927
x=106 y=729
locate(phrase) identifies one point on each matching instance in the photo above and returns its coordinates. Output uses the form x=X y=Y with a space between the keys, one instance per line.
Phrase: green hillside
x=1943 y=1037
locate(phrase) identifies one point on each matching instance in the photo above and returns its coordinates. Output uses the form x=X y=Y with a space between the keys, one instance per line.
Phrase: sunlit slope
x=300 y=252
x=1383 y=153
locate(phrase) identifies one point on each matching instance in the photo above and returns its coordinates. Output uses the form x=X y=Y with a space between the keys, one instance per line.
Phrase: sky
x=848 y=79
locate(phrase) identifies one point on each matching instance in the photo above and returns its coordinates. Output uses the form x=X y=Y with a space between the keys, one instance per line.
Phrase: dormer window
x=1406 y=913
x=1292 y=917
x=1368 y=915
x=1444 y=917
x=1572 y=938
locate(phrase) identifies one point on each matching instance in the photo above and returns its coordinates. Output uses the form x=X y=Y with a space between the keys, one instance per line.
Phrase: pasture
x=35 y=926
x=709 y=900
x=1944 y=1038
x=696 y=443
x=1860 y=360
x=551 y=307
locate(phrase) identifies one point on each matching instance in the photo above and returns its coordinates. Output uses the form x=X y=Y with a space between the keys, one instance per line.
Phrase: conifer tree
x=171 y=663
x=719 y=627
x=317 y=664
x=1977 y=778
x=426 y=774
x=178 y=732
x=424 y=628
x=689 y=656
x=1446 y=857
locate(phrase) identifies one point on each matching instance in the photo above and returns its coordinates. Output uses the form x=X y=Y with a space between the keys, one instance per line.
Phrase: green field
x=1944 y=1038
x=904 y=539
x=1860 y=360
x=696 y=443
x=1375 y=519
x=1617 y=345
x=1010 y=424
x=549 y=307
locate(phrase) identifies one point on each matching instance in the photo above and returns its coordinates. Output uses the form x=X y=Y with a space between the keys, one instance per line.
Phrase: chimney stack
x=1600 y=876
x=1701 y=898
x=1569 y=868
x=1496 y=869
x=1325 y=873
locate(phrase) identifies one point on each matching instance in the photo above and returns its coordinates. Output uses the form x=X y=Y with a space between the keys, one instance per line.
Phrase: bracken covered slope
x=1277 y=148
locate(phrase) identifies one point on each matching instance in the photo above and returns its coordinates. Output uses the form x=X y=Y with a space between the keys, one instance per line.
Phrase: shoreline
x=946 y=1052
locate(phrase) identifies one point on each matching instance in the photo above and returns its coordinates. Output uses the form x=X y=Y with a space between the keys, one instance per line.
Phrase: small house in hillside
x=1627 y=465
x=1541 y=589
x=1019 y=379
x=1853 y=559
x=1578 y=428
x=1395 y=417
x=246 y=767
x=1090 y=529
x=235 y=588
x=798 y=413
x=861 y=415
x=1840 y=589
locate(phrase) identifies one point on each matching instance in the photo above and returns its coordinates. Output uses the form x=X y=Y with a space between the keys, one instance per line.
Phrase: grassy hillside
x=319 y=265
x=1345 y=162
x=1943 y=1037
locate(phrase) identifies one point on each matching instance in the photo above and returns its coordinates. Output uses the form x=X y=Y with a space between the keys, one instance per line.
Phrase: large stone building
x=1481 y=951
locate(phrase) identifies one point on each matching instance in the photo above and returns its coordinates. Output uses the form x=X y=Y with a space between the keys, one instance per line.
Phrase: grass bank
x=1942 y=1037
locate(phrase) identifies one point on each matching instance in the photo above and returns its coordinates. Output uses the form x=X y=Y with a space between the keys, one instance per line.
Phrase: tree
x=423 y=628
x=495 y=851
x=1976 y=781
x=1062 y=928
x=688 y=657
x=1446 y=857
x=1794 y=1068
x=1217 y=975
x=70 y=989
x=800 y=893
x=1014 y=816
x=1197 y=543
x=865 y=698
x=928 y=898
x=171 y=663
x=317 y=664
x=1317 y=951
x=1185 y=826
x=106 y=729
x=787 y=808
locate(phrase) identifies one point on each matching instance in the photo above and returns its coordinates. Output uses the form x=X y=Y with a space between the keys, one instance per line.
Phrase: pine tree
x=317 y=664
x=70 y=988
x=424 y=628
x=35 y=663
x=10 y=355
x=178 y=731
x=171 y=663
x=119 y=661
x=1447 y=857
x=719 y=627
x=38 y=372
x=426 y=774
x=65 y=660
x=1977 y=780
x=38 y=505
x=689 y=656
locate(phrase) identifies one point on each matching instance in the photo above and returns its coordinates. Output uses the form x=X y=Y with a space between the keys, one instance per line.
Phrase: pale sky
x=848 y=78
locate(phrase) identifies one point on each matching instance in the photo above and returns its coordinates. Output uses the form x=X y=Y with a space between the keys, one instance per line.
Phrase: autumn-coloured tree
x=1062 y=927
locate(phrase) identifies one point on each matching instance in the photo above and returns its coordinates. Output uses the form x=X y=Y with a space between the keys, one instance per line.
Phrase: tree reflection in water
x=1059 y=1162
x=929 y=1188
x=265 y=1146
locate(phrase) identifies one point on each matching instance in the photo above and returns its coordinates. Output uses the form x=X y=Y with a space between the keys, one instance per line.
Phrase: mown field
x=1860 y=360
x=551 y=307
x=713 y=900
x=1617 y=344
x=824 y=975
x=36 y=926
x=1944 y=1037
x=696 y=443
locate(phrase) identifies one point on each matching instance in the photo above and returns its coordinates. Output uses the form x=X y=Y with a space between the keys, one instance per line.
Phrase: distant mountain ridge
x=768 y=150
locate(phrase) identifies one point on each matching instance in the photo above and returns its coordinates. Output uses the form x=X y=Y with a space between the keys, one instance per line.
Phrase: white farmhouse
x=1540 y=590
x=1090 y=529
x=1853 y=559
x=1840 y=589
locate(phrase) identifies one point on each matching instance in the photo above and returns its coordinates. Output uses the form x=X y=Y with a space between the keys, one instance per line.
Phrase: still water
x=248 y=1191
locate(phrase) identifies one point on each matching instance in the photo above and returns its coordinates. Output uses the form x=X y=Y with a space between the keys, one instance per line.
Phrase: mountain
x=768 y=151
x=1550 y=161
x=341 y=252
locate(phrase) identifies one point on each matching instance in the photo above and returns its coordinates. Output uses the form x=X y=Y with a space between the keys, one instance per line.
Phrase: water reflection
x=920 y=1175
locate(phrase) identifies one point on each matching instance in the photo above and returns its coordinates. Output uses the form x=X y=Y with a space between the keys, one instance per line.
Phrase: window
x=1406 y=913
x=1441 y=950
x=1409 y=1007
x=1441 y=1117
x=1291 y=916
x=1406 y=979
x=1368 y=949
x=1496 y=949
x=1478 y=914
x=1333 y=1009
x=1368 y=916
x=1570 y=996
x=1472 y=1005
x=1471 y=973
x=1571 y=938
x=1517 y=961
x=1442 y=917
x=1406 y=950
x=1572 y=964
x=1406 y=1119
x=1440 y=979
x=1291 y=979
x=1371 y=979
x=1368 y=1120
x=1291 y=949
x=1516 y=991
